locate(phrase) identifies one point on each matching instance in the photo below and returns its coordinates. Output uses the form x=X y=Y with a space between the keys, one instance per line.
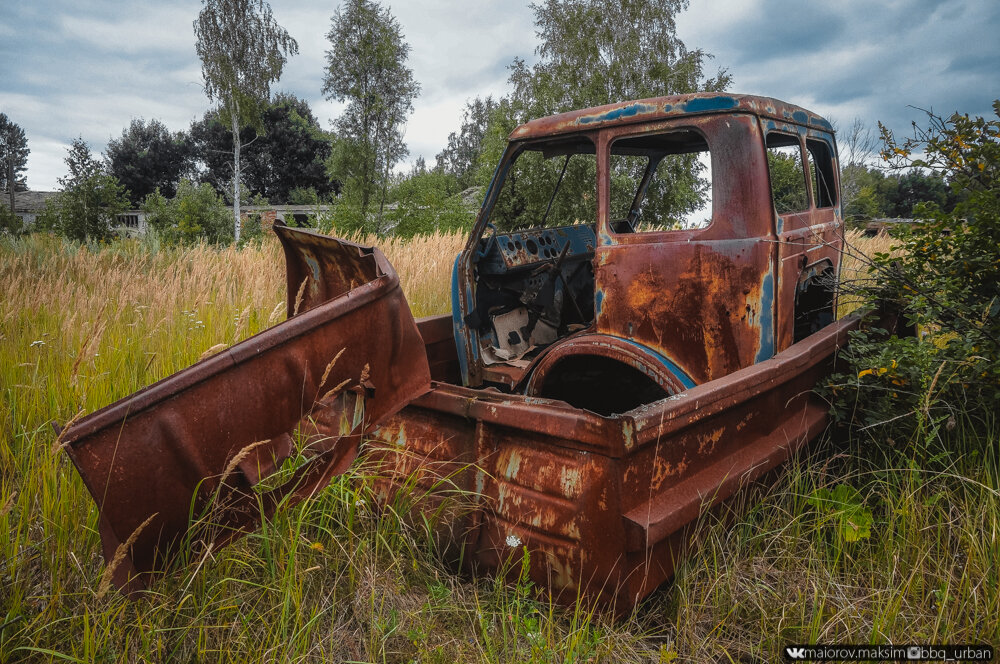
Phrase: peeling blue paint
x=702 y=104
x=458 y=325
x=820 y=122
x=766 y=319
x=617 y=113
x=669 y=364
x=313 y=267
x=598 y=301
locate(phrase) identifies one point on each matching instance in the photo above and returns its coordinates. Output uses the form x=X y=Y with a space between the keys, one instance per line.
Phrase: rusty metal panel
x=663 y=108
x=438 y=334
x=198 y=441
x=607 y=520
x=703 y=299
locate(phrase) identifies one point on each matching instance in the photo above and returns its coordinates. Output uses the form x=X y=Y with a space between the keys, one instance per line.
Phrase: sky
x=88 y=67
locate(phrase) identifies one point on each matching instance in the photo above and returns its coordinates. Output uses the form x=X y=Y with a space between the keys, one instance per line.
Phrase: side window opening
x=788 y=183
x=822 y=173
x=660 y=182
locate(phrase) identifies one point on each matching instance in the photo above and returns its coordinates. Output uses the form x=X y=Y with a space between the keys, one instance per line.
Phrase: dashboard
x=501 y=254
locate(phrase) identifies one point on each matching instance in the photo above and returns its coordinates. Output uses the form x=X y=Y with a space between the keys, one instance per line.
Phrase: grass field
x=331 y=580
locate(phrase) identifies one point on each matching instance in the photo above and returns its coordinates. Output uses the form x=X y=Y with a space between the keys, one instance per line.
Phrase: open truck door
x=198 y=456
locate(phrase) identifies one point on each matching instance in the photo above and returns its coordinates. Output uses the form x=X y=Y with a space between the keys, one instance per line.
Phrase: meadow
x=334 y=580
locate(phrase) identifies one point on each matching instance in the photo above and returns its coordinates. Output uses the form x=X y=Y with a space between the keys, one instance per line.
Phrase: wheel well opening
x=600 y=384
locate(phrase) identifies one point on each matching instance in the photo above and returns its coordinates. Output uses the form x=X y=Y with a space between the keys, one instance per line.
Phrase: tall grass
x=335 y=580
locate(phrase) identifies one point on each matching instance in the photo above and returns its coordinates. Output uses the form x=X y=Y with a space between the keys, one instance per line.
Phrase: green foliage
x=148 y=157
x=530 y=196
x=788 y=185
x=10 y=223
x=196 y=213
x=943 y=278
x=366 y=67
x=90 y=202
x=290 y=151
x=595 y=52
x=844 y=509
x=303 y=196
x=461 y=157
x=426 y=201
x=895 y=195
x=242 y=50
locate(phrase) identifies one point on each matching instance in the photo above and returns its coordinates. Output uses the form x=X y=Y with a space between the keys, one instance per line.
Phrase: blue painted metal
x=458 y=324
x=682 y=376
x=766 y=319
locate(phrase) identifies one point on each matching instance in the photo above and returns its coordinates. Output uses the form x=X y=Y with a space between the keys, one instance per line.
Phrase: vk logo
x=795 y=653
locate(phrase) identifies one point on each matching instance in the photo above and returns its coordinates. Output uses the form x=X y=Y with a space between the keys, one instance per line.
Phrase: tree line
x=256 y=146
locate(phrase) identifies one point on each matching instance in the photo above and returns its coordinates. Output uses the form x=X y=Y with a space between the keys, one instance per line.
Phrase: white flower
x=37 y=343
x=513 y=540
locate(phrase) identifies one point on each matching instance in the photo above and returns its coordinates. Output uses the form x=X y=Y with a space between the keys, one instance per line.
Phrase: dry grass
x=331 y=580
x=854 y=265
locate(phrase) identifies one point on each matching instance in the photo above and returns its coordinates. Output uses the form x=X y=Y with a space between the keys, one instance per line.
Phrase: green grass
x=333 y=579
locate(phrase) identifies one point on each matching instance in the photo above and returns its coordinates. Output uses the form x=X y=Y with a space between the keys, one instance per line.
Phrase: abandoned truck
x=610 y=369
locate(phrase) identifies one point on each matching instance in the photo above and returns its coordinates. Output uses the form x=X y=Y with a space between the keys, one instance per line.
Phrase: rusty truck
x=639 y=317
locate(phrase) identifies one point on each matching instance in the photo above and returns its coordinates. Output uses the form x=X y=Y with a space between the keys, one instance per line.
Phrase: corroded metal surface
x=198 y=442
x=663 y=108
x=601 y=504
x=703 y=299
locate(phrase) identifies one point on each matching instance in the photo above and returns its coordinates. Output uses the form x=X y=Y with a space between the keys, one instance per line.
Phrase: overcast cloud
x=86 y=68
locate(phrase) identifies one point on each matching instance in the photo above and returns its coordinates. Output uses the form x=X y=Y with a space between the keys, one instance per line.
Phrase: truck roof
x=662 y=108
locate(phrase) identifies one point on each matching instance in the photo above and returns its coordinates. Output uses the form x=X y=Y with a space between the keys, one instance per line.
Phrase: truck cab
x=629 y=252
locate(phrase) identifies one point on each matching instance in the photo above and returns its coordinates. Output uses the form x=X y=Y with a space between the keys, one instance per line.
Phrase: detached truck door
x=185 y=461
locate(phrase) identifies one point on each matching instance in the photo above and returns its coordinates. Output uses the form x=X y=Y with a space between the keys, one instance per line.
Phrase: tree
x=13 y=157
x=595 y=52
x=858 y=150
x=426 y=201
x=289 y=151
x=461 y=156
x=366 y=66
x=243 y=50
x=90 y=201
x=148 y=157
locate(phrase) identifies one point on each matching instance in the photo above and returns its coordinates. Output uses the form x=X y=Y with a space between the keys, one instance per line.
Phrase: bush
x=196 y=213
x=425 y=202
x=943 y=274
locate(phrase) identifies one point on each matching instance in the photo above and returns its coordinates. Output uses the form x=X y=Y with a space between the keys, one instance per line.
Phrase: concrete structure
x=28 y=205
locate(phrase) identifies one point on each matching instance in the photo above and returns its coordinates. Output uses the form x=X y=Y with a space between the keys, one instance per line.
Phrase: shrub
x=943 y=275
x=196 y=213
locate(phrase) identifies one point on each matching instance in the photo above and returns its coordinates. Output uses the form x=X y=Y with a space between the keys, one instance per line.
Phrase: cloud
x=88 y=67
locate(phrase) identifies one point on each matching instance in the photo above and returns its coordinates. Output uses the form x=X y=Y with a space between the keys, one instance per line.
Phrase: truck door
x=697 y=291
x=205 y=455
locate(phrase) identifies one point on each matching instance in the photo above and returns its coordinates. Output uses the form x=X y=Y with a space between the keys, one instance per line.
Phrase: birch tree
x=366 y=66
x=243 y=50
